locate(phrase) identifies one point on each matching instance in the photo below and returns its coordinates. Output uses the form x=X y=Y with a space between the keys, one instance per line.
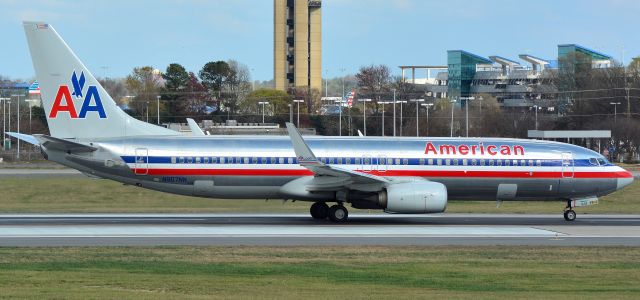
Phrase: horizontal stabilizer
x=53 y=143
x=25 y=137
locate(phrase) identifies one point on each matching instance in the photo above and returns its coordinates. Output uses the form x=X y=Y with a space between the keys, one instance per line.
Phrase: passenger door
x=141 y=164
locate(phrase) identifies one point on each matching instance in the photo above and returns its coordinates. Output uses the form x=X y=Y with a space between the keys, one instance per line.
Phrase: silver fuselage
x=256 y=167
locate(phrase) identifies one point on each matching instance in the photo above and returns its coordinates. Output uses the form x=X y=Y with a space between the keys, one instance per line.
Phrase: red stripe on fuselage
x=399 y=173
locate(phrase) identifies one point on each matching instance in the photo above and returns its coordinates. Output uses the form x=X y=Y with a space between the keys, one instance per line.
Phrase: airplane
x=403 y=175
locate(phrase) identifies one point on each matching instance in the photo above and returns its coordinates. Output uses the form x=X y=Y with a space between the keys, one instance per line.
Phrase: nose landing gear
x=569 y=213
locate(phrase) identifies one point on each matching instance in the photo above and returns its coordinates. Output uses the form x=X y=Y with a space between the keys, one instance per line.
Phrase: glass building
x=572 y=57
x=462 y=67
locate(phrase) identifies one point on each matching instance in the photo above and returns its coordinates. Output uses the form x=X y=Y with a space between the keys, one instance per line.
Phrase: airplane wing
x=307 y=159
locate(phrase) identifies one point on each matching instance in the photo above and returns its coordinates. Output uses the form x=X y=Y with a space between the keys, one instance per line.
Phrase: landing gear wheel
x=319 y=210
x=338 y=213
x=570 y=215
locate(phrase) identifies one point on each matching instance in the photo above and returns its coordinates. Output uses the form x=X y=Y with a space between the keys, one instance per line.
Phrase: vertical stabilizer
x=75 y=103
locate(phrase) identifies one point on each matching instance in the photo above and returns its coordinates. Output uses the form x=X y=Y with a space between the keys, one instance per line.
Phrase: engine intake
x=414 y=197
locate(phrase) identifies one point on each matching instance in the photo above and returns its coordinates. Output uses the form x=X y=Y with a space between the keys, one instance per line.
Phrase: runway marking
x=271 y=230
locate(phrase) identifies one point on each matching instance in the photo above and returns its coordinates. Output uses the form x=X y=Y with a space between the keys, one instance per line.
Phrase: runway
x=299 y=229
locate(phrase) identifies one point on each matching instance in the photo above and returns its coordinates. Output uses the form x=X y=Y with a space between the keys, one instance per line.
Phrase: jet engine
x=415 y=197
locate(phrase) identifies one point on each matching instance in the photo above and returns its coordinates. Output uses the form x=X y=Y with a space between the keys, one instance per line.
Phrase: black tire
x=570 y=215
x=319 y=210
x=338 y=213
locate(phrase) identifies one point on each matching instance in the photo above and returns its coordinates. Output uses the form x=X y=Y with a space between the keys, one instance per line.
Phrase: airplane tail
x=76 y=105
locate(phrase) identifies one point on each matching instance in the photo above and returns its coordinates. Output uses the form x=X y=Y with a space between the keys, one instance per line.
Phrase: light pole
x=536 y=108
x=466 y=103
x=394 y=112
x=326 y=83
x=147 y=111
x=453 y=101
x=290 y=113
x=615 y=111
x=158 y=107
x=18 y=129
x=263 y=103
x=31 y=101
x=339 y=116
x=383 y=103
x=4 y=123
x=401 y=102
x=364 y=114
x=417 y=101
x=427 y=105
x=298 y=101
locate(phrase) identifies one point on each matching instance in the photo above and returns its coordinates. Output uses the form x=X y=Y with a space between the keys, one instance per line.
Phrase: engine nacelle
x=415 y=197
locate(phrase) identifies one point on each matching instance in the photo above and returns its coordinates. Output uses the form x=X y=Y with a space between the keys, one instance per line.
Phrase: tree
x=197 y=99
x=373 y=81
x=278 y=102
x=174 y=92
x=215 y=74
x=144 y=83
x=237 y=85
x=116 y=88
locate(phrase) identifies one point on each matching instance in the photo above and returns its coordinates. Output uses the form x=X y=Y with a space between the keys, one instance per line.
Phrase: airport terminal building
x=513 y=83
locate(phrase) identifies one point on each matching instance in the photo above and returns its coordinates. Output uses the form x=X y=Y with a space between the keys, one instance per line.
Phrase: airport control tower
x=297 y=44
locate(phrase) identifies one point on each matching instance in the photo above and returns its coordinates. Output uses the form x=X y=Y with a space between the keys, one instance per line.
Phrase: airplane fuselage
x=254 y=167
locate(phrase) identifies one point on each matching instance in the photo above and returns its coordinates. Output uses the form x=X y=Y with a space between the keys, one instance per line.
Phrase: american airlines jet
x=88 y=132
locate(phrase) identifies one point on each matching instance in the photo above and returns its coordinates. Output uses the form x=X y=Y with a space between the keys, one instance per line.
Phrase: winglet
x=195 y=129
x=303 y=153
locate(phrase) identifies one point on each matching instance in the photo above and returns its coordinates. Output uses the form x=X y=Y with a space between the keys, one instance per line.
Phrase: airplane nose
x=625 y=180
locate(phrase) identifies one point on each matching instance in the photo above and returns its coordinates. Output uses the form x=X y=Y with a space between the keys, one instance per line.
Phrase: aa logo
x=64 y=102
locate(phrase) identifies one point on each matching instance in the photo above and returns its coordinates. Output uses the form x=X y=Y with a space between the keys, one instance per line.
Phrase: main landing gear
x=336 y=213
x=569 y=213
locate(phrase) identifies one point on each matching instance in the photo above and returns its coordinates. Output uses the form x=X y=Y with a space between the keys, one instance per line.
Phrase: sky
x=113 y=36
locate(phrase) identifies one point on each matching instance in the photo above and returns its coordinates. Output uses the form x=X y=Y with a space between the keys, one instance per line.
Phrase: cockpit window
x=602 y=161
x=593 y=161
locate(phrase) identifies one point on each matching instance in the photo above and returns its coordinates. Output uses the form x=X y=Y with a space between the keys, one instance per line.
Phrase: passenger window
x=397 y=161
x=190 y=159
x=206 y=160
x=507 y=162
x=357 y=160
x=281 y=160
x=431 y=161
x=254 y=160
x=515 y=162
x=474 y=162
x=173 y=159
x=290 y=160
x=246 y=160
x=531 y=162
x=405 y=161
x=491 y=162
x=274 y=160
x=331 y=160
x=522 y=162
x=482 y=162
x=465 y=162
x=198 y=160
x=539 y=163
x=499 y=162
x=422 y=161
